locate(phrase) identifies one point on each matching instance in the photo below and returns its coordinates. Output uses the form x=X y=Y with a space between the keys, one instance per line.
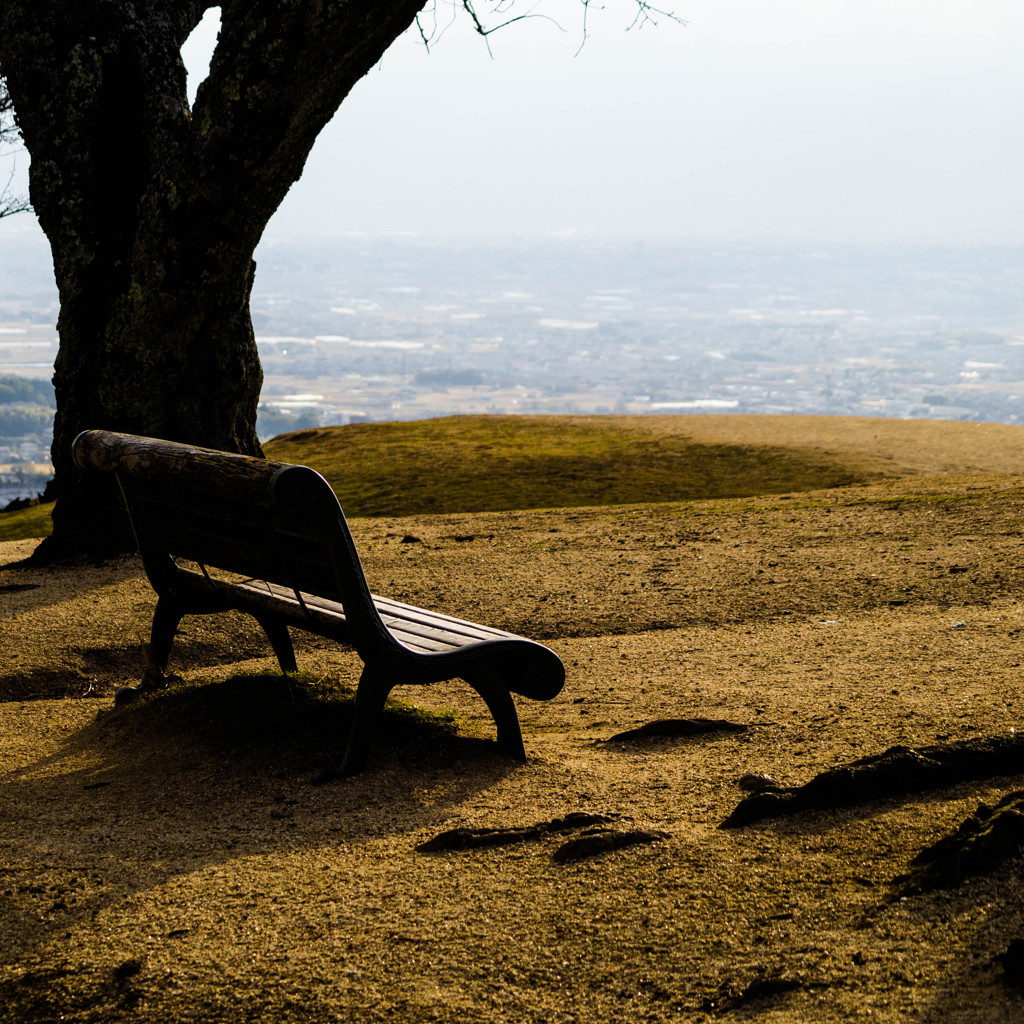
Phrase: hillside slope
x=494 y=463
x=169 y=859
x=490 y=463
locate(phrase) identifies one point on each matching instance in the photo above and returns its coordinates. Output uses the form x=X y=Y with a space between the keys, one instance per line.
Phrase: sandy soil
x=170 y=861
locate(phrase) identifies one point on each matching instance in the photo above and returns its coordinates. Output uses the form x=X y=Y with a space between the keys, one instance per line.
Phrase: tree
x=153 y=210
x=9 y=203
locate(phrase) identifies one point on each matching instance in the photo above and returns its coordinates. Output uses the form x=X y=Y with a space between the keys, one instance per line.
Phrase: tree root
x=980 y=845
x=590 y=844
x=898 y=771
x=730 y=998
x=677 y=727
x=475 y=838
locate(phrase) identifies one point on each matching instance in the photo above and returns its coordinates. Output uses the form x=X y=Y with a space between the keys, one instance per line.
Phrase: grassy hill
x=498 y=463
x=28 y=522
x=494 y=463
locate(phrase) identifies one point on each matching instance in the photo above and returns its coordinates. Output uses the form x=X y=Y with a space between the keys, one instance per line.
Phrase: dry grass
x=169 y=860
x=26 y=523
x=493 y=463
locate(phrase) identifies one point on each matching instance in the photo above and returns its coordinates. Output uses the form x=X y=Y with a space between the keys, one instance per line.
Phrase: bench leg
x=166 y=616
x=277 y=634
x=369 y=706
x=503 y=710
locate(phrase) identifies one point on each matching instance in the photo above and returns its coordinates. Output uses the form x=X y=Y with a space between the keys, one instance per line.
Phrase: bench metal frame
x=280 y=531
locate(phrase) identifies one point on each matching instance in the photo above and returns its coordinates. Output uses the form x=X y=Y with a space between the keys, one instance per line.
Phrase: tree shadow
x=96 y=669
x=45 y=585
x=964 y=927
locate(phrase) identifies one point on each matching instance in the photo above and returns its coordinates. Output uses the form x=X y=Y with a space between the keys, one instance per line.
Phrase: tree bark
x=153 y=210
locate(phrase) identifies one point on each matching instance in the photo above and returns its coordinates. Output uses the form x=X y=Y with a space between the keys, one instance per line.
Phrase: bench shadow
x=202 y=775
x=99 y=667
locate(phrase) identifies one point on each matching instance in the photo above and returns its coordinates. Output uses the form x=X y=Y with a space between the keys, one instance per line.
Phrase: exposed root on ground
x=897 y=772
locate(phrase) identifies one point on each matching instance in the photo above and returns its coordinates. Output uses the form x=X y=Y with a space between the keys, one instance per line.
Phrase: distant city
x=381 y=328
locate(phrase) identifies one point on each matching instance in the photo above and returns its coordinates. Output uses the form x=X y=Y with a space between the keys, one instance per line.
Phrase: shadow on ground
x=201 y=775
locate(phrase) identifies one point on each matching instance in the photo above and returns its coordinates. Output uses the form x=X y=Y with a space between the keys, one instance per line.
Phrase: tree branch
x=494 y=18
x=648 y=14
x=482 y=30
x=278 y=74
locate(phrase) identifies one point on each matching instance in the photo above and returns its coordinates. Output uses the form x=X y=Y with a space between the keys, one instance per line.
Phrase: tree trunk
x=153 y=210
x=171 y=363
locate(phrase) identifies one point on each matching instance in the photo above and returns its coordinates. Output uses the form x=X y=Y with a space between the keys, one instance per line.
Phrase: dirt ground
x=169 y=860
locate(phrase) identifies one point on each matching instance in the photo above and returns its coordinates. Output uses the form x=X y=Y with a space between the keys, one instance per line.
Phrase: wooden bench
x=219 y=531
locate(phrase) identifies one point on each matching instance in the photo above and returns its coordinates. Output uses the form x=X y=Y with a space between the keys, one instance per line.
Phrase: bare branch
x=10 y=203
x=583 y=37
x=423 y=35
x=7 y=126
x=490 y=16
x=647 y=14
x=500 y=8
x=437 y=31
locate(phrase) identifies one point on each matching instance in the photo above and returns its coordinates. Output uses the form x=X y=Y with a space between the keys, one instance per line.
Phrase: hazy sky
x=760 y=119
x=818 y=119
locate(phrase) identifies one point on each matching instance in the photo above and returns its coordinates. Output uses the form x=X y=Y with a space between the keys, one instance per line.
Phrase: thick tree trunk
x=170 y=363
x=153 y=210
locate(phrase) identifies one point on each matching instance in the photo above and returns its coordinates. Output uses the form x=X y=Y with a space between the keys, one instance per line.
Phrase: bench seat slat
x=410 y=613
x=425 y=644
x=416 y=634
x=413 y=626
x=398 y=611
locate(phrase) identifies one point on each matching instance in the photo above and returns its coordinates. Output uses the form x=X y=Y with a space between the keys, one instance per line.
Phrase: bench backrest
x=266 y=520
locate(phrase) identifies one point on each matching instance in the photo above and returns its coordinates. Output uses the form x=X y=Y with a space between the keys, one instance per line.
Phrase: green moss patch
x=26 y=523
x=496 y=463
